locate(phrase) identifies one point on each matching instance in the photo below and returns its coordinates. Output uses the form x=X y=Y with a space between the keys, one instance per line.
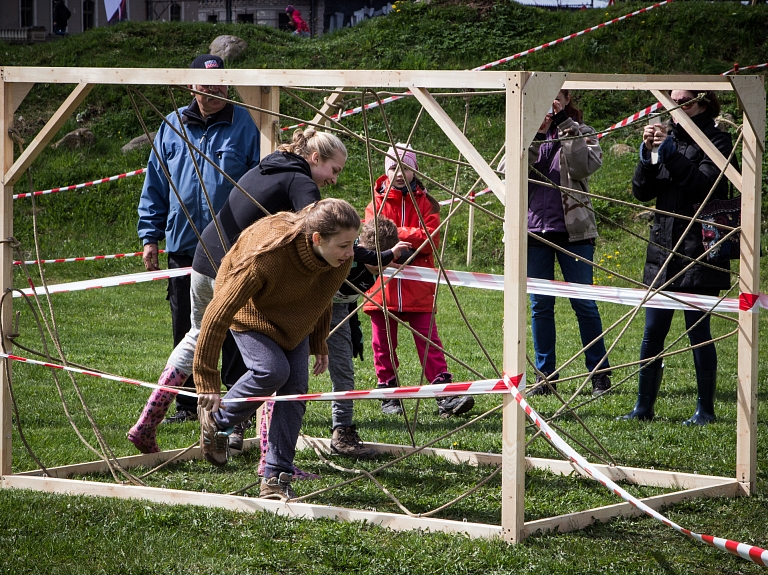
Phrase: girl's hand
x=209 y=401
x=399 y=248
x=321 y=364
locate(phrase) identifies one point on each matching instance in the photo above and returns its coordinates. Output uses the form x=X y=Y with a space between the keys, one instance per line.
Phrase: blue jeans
x=541 y=265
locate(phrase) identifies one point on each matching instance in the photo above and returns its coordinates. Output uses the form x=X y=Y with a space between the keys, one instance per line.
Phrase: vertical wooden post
x=471 y=228
x=267 y=98
x=7 y=108
x=515 y=272
x=751 y=93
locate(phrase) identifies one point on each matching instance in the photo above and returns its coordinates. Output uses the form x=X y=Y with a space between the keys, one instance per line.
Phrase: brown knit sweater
x=285 y=294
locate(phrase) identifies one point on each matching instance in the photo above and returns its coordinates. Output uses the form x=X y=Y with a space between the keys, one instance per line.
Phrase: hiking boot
x=390 y=406
x=214 y=443
x=238 y=435
x=347 y=442
x=601 y=382
x=455 y=404
x=542 y=387
x=277 y=487
x=181 y=416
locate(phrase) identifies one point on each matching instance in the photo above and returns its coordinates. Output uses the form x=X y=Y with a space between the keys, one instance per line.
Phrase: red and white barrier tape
x=126 y=279
x=373 y=105
x=471 y=198
x=82 y=259
x=78 y=186
x=736 y=68
x=569 y=37
x=750 y=552
x=624 y=296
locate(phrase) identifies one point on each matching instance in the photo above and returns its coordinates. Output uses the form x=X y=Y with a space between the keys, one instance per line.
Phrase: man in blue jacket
x=228 y=138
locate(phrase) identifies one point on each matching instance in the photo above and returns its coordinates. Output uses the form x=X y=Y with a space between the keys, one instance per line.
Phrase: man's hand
x=399 y=248
x=151 y=262
x=321 y=364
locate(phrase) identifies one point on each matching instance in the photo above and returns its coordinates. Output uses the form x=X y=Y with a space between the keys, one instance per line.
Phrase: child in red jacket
x=401 y=197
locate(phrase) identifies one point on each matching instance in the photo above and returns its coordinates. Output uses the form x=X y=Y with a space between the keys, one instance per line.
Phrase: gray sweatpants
x=271 y=369
x=340 y=366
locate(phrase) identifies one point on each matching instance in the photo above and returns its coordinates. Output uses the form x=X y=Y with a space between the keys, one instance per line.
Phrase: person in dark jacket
x=566 y=220
x=682 y=176
x=287 y=180
x=60 y=16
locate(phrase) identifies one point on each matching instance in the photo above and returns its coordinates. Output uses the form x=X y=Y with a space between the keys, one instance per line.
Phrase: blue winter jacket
x=231 y=140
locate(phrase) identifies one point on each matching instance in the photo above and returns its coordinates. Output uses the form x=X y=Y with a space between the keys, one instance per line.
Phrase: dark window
x=175 y=12
x=212 y=18
x=88 y=12
x=27 y=13
x=245 y=18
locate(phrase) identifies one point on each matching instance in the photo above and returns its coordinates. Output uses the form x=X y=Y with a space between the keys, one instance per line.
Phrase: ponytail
x=307 y=141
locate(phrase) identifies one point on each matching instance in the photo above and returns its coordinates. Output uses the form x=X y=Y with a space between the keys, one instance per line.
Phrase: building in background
x=32 y=20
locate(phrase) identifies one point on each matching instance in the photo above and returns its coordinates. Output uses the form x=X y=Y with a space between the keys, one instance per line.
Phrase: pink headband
x=407 y=157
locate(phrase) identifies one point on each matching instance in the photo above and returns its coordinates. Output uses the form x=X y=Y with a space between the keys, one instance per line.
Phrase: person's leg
x=181 y=310
x=705 y=361
x=587 y=314
x=176 y=371
x=340 y=366
x=232 y=369
x=382 y=358
x=541 y=265
x=657 y=324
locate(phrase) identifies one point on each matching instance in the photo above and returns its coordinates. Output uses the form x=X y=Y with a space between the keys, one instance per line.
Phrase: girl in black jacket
x=681 y=178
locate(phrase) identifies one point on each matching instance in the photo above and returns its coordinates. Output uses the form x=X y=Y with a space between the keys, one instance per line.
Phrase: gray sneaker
x=213 y=441
x=601 y=383
x=277 y=487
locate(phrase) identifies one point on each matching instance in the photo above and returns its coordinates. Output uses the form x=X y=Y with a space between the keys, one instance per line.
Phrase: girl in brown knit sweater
x=274 y=291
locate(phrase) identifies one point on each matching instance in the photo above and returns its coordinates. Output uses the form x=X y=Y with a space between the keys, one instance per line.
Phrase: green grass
x=126 y=330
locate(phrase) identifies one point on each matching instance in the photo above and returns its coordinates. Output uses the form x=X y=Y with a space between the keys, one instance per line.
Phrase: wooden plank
x=540 y=91
x=581 y=519
x=266 y=98
x=45 y=135
x=515 y=273
x=461 y=142
x=751 y=93
x=449 y=79
x=330 y=105
x=7 y=105
x=646 y=82
x=20 y=92
x=704 y=143
x=749 y=283
x=248 y=505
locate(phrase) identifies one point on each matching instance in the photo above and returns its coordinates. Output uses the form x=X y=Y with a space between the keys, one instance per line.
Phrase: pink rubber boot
x=142 y=434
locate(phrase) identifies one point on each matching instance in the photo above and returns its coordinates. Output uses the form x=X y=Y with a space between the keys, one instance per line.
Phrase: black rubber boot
x=705 y=403
x=647 y=391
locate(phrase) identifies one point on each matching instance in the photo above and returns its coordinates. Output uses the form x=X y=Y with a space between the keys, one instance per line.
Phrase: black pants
x=658 y=322
x=232 y=366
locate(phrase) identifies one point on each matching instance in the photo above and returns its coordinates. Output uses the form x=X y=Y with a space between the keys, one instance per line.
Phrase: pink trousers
x=420 y=322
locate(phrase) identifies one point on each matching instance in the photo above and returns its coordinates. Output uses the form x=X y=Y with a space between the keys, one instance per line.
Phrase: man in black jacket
x=60 y=16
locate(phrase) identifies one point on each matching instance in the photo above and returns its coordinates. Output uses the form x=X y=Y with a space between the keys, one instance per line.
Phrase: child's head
x=333 y=225
x=325 y=153
x=387 y=234
x=407 y=158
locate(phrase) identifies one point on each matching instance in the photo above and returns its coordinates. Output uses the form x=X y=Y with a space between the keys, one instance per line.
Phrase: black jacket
x=683 y=180
x=282 y=182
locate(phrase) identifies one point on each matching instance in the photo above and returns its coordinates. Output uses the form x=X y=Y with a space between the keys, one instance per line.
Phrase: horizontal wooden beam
x=582 y=519
x=646 y=82
x=270 y=77
x=393 y=521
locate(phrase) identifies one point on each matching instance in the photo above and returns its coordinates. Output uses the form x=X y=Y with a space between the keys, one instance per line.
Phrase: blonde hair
x=306 y=141
x=327 y=217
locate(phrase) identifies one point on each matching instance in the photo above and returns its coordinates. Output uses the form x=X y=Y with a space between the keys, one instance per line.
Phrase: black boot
x=705 y=403
x=648 y=389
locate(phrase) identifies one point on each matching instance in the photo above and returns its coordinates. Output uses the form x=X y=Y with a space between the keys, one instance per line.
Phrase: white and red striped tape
x=624 y=296
x=80 y=259
x=752 y=553
x=78 y=186
x=736 y=68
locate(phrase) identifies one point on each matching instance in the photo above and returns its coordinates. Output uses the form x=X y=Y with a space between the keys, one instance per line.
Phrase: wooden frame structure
x=527 y=97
